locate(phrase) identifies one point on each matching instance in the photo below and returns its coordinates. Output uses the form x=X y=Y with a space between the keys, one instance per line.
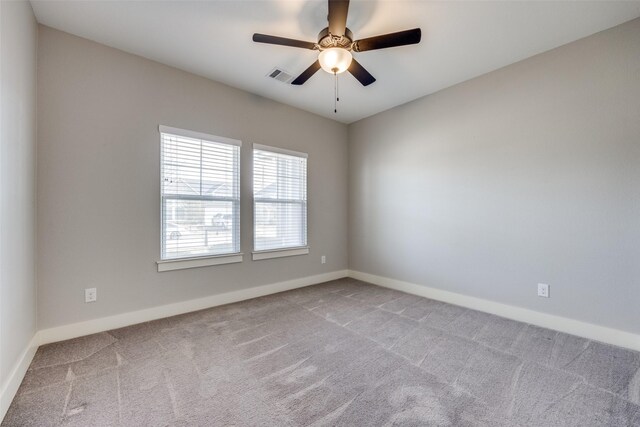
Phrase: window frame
x=167 y=264
x=290 y=250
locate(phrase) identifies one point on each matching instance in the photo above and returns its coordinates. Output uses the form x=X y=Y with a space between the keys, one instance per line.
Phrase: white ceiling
x=460 y=40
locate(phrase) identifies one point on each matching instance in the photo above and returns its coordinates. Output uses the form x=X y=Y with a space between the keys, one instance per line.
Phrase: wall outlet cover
x=543 y=290
x=90 y=295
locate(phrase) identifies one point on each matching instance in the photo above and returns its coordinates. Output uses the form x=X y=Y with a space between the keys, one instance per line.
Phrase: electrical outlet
x=543 y=290
x=323 y=259
x=90 y=295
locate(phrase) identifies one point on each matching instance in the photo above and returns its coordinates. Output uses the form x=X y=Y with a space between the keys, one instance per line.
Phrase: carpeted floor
x=341 y=353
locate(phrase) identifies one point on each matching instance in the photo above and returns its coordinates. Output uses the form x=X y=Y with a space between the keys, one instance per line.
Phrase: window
x=279 y=200
x=200 y=195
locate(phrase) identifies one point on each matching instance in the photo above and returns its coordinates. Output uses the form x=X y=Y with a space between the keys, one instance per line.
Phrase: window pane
x=280 y=200
x=278 y=176
x=200 y=196
x=279 y=225
x=198 y=228
x=196 y=167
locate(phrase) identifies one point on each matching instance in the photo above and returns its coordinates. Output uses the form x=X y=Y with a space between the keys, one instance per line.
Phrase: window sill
x=182 y=263
x=279 y=253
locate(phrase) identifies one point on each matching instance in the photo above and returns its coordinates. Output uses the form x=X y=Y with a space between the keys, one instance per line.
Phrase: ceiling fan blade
x=306 y=74
x=282 y=41
x=401 y=38
x=359 y=72
x=338 y=10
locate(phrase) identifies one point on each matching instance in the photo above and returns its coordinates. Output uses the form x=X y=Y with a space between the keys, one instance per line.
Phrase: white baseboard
x=558 y=323
x=88 y=327
x=10 y=386
x=60 y=333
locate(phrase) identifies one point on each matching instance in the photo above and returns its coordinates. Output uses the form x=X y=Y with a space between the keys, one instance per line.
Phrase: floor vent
x=280 y=75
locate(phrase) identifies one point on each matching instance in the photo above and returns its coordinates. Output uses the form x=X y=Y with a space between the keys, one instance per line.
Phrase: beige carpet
x=341 y=353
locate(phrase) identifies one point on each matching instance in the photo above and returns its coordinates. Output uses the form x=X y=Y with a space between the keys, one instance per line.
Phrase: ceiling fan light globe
x=335 y=60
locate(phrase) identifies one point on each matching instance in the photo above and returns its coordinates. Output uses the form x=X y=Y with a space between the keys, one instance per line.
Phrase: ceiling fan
x=335 y=44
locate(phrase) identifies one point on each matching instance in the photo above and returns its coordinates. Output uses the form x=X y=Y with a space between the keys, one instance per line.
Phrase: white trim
x=280 y=150
x=75 y=330
x=198 y=135
x=545 y=320
x=182 y=263
x=9 y=388
x=279 y=253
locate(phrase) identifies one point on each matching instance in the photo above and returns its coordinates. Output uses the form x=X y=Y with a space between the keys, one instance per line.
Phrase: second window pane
x=279 y=199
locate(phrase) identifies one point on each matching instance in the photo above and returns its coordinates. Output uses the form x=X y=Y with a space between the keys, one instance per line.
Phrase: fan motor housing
x=327 y=40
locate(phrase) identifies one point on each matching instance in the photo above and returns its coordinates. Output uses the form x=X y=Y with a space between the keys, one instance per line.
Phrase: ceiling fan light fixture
x=335 y=60
x=336 y=42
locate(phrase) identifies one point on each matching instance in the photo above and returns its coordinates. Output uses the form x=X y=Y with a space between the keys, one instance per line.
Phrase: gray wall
x=18 y=40
x=99 y=179
x=527 y=174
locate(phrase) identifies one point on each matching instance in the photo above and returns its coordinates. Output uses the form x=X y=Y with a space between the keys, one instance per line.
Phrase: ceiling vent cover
x=280 y=75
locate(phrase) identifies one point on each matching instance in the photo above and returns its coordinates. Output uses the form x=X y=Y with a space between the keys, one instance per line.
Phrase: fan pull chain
x=335 y=93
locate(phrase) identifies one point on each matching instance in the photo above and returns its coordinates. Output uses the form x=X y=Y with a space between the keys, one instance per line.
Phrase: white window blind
x=279 y=199
x=200 y=194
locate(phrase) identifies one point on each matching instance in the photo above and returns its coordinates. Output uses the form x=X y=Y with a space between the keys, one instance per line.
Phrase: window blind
x=279 y=199
x=200 y=185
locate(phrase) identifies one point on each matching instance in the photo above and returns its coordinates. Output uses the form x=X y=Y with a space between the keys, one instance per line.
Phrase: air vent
x=280 y=75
